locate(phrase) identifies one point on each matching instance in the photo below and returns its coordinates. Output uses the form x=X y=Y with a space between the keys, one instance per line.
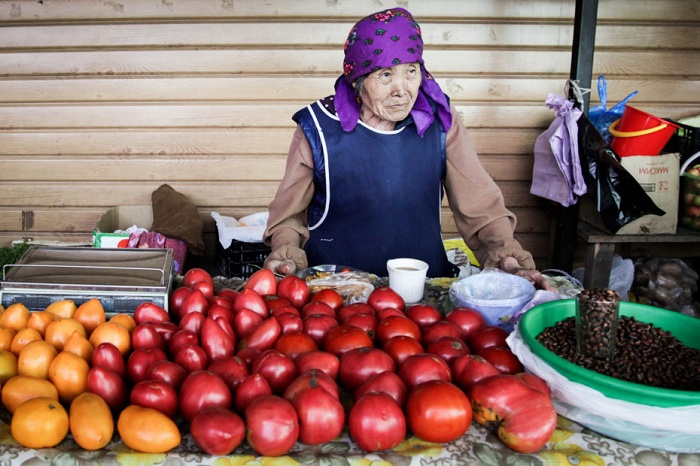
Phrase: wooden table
x=602 y=247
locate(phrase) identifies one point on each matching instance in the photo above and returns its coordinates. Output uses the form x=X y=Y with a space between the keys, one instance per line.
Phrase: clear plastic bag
x=672 y=429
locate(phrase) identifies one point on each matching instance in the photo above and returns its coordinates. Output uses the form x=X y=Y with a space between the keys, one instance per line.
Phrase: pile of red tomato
x=273 y=364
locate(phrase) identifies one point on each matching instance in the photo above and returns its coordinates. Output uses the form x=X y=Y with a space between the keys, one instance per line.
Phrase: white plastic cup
x=407 y=278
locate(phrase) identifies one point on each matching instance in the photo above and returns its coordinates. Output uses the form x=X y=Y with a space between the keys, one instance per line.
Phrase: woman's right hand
x=286 y=260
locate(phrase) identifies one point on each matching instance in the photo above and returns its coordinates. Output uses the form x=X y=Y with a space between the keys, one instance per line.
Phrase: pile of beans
x=644 y=354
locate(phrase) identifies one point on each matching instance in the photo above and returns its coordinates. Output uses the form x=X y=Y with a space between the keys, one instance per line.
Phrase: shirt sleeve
x=477 y=203
x=288 y=210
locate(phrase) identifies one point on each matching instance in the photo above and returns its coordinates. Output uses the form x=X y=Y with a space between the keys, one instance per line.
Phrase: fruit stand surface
x=570 y=444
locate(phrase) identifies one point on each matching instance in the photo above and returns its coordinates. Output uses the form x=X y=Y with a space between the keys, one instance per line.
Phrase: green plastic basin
x=683 y=327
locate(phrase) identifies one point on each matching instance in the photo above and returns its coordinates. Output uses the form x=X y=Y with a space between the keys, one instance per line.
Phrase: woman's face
x=388 y=94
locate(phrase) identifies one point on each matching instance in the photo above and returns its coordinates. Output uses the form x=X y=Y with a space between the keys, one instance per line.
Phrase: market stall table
x=570 y=444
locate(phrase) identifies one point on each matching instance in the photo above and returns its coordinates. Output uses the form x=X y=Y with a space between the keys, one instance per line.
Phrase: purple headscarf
x=382 y=40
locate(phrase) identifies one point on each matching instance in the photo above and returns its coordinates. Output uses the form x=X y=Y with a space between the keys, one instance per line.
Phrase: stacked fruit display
x=690 y=201
x=270 y=364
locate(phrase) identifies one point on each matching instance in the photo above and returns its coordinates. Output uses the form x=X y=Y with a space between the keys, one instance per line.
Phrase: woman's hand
x=286 y=260
x=511 y=265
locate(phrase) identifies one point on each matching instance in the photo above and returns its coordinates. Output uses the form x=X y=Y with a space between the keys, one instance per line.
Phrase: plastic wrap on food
x=353 y=286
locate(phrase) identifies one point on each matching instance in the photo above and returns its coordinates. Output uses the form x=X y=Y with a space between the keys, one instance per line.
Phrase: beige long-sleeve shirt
x=481 y=217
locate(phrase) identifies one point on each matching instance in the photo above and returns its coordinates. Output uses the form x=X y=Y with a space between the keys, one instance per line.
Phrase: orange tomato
x=125 y=319
x=15 y=316
x=22 y=338
x=91 y=421
x=21 y=388
x=8 y=366
x=69 y=372
x=64 y=308
x=147 y=430
x=79 y=345
x=6 y=336
x=58 y=331
x=91 y=314
x=112 y=332
x=35 y=358
x=39 y=423
x=39 y=320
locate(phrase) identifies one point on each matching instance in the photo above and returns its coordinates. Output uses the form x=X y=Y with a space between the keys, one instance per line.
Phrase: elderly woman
x=368 y=166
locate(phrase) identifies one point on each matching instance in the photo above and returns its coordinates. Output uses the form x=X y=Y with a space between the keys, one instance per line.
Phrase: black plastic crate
x=686 y=140
x=241 y=259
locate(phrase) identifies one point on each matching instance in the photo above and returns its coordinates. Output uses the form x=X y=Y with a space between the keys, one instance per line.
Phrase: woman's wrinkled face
x=388 y=94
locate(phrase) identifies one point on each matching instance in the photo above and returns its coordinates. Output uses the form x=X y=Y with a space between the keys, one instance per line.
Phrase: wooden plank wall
x=101 y=101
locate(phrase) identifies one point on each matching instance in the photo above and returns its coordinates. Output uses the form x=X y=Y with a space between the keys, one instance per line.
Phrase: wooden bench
x=602 y=246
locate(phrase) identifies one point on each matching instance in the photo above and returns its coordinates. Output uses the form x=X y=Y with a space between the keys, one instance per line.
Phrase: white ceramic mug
x=407 y=278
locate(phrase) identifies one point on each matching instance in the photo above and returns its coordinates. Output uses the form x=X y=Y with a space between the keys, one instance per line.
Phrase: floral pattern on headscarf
x=381 y=40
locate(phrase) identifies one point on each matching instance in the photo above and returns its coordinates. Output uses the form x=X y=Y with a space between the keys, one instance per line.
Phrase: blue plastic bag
x=600 y=116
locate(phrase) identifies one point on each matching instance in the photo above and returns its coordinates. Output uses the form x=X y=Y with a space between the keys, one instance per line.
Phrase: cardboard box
x=659 y=176
x=123 y=217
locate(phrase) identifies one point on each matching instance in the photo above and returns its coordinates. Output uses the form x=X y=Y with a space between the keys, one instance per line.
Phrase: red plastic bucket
x=640 y=133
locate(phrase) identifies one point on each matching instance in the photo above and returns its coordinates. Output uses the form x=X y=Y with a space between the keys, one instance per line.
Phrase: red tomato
x=438 y=330
x=217 y=430
x=191 y=358
x=177 y=297
x=376 y=422
x=289 y=309
x=245 y=321
x=321 y=360
x=166 y=330
x=278 y=369
x=232 y=369
x=321 y=415
x=201 y=389
x=316 y=307
x=355 y=308
x=401 y=347
x=216 y=310
x=423 y=314
x=344 y=338
x=263 y=336
x=423 y=367
x=248 y=355
x=155 y=394
x=330 y=297
x=308 y=379
x=293 y=344
x=366 y=322
x=150 y=312
x=274 y=302
x=262 y=281
x=272 y=425
x=250 y=299
x=226 y=327
x=141 y=360
x=438 y=411
x=195 y=301
x=358 y=365
x=206 y=287
x=388 y=312
x=317 y=327
x=109 y=386
x=387 y=382
x=469 y=369
x=295 y=290
x=192 y=322
x=448 y=348
x=182 y=338
x=252 y=387
x=535 y=382
x=167 y=371
x=228 y=293
x=486 y=336
x=144 y=335
x=394 y=326
x=223 y=301
x=384 y=297
x=195 y=275
x=107 y=355
x=216 y=343
x=503 y=359
x=289 y=322
x=524 y=417
x=467 y=319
